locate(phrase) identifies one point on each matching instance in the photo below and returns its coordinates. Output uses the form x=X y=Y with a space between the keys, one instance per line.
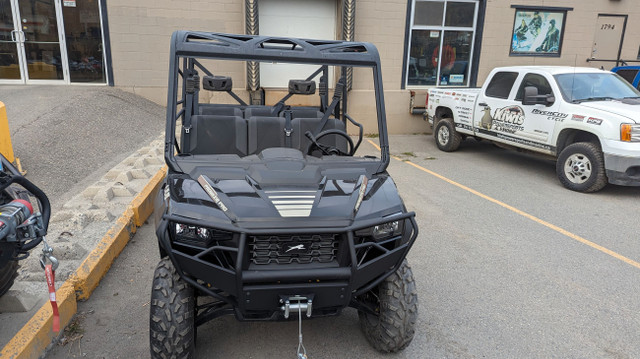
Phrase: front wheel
x=447 y=138
x=172 y=317
x=580 y=167
x=396 y=302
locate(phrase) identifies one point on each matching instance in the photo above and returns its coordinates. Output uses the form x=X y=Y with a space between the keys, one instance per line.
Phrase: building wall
x=579 y=33
x=140 y=35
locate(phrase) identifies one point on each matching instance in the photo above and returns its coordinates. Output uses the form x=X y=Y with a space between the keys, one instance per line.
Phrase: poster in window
x=537 y=33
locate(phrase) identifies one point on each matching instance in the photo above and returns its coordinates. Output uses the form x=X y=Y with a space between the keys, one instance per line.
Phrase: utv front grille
x=297 y=248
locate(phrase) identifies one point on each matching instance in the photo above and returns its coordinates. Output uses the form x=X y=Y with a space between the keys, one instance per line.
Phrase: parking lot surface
x=508 y=264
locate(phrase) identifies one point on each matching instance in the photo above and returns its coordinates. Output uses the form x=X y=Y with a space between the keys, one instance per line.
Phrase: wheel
x=580 y=167
x=447 y=138
x=8 y=273
x=328 y=149
x=396 y=301
x=172 y=318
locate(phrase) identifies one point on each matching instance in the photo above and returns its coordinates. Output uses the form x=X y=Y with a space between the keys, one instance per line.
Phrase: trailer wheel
x=580 y=167
x=172 y=315
x=447 y=138
x=396 y=301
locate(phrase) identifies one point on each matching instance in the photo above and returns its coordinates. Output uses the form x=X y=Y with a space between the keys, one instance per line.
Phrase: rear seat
x=221 y=110
x=214 y=134
x=265 y=111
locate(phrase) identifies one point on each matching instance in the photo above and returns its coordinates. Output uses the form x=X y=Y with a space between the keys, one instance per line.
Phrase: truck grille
x=297 y=248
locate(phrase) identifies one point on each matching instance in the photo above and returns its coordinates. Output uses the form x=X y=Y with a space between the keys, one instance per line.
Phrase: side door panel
x=509 y=121
x=494 y=112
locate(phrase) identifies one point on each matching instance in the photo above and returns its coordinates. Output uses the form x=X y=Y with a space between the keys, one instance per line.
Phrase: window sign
x=441 y=42
x=537 y=32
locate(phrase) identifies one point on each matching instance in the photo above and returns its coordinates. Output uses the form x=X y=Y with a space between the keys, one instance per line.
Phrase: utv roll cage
x=187 y=47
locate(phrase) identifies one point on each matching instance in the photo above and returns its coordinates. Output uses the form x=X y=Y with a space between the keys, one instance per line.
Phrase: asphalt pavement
x=508 y=264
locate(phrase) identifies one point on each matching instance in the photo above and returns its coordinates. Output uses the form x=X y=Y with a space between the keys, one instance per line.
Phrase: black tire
x=447 y=138
x=397 y=304
x=580 y=167
x=8 y=274
x=172 y=318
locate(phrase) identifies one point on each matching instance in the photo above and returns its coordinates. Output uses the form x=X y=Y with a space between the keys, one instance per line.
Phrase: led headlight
x=199 y=236
x=386 y=230
x=382 y=231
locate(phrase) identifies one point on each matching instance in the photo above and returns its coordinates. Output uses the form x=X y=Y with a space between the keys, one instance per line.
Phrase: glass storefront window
x=441 y=43
x=423 y=61
x=460 y=14
x=84 y=41
x=9 y=63
x=428 y=13
x=455 y=57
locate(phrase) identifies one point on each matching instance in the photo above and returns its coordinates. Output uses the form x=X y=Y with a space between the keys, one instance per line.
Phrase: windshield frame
x=249 y=48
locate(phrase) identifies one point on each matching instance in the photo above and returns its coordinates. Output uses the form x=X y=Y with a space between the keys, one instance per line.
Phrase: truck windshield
x=581 y=87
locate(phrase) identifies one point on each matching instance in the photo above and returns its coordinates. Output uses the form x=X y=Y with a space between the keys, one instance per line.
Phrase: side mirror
x=302 y=87
x=531 y=97
x=217 y=83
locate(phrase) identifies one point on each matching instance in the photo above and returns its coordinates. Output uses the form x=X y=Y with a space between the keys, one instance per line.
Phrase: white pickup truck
x=587 y=119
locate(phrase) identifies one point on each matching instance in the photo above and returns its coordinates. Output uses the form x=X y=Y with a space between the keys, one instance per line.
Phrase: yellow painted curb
x=34 y=337
x=97 y=264
x=37 y=334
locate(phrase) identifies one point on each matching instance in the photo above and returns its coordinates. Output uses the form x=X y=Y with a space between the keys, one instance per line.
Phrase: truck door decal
x=508 y=119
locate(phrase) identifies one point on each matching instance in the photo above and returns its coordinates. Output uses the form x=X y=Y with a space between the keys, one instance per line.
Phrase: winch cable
x=301 y=354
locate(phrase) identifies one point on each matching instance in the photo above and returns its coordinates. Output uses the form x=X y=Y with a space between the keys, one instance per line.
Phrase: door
x=501 y=116
x=41 y=39
x=10 y=49
x=539 y=120
x=31 y=42
x=607 y=41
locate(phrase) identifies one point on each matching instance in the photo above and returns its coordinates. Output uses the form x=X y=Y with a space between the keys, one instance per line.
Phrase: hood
x=282 y=193
x=626 y=108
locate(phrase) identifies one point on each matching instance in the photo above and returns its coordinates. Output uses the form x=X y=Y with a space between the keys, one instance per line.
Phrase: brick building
x=422 y=43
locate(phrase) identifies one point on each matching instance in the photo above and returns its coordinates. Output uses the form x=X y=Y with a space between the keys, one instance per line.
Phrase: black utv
x=271 y=212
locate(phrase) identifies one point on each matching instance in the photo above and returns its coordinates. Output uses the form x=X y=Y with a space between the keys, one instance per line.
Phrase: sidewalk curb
x=34 y=337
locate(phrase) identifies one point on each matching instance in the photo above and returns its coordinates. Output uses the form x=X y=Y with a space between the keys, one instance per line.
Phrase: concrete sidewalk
x=94 y=151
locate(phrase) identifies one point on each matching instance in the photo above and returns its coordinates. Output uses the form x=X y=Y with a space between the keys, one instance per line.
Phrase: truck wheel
x=580 y=167
x=172 y=318
x=447 y=138
x=396 y=301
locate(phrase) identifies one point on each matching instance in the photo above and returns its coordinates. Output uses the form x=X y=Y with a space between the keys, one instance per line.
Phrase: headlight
x=199 y=236
x=629 y=133
x=382 y=231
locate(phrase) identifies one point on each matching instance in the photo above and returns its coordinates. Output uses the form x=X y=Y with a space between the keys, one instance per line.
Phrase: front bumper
x=230 y=271
x=622 y=170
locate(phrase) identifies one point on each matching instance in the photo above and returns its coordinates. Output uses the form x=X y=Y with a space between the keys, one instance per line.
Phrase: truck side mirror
x=531 y=97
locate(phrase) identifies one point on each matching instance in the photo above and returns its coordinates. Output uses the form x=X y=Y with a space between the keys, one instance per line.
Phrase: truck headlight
x=629 y=132
x=382 y=231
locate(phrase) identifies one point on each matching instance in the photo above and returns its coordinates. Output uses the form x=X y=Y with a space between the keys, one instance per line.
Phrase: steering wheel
x=328 y=149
